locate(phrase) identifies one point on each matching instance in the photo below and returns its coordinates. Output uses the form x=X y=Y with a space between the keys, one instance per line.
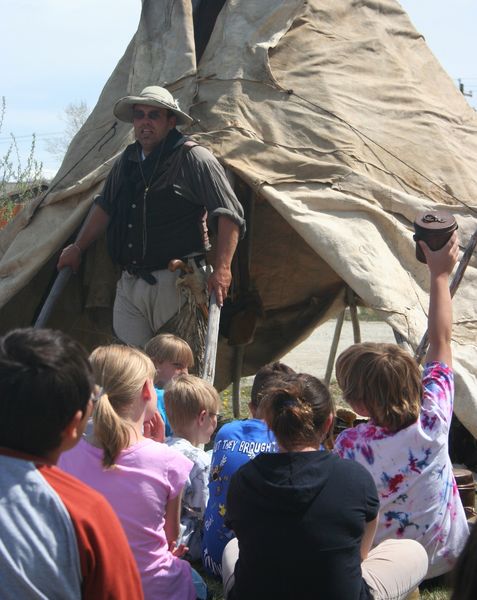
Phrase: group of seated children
x=270 y=512
x=308 y=523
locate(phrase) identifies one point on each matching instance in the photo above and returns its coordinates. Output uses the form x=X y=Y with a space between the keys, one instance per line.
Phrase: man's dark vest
x=147 y=234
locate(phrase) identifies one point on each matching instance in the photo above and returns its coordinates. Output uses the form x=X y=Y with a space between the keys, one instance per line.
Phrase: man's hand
x=95 y=225
x=221 y=278
x=220 y=281
x=70 y=257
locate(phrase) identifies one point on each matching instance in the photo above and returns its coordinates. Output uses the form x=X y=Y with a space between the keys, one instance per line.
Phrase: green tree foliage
x=19 y=181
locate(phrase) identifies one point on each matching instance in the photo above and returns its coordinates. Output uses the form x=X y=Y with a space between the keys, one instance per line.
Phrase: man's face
x=151 y=125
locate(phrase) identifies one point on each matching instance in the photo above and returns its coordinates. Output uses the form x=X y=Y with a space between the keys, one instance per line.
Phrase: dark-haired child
x=235 y=444
x=59 y=538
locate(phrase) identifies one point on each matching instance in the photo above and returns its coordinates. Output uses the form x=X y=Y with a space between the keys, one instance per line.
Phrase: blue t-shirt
x=235 y=444
x=161 y=407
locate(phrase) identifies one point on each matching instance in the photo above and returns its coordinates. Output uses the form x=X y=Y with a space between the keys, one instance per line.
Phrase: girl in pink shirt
x=141 y=478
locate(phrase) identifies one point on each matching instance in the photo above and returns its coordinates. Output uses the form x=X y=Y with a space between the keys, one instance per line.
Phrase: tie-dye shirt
x=413 y=473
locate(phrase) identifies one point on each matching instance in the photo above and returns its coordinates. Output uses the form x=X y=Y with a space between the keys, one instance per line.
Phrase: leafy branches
x=19 y=181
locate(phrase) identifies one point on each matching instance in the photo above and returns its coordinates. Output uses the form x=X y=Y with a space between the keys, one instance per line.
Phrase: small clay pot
x=435 y=228
x=466 y=486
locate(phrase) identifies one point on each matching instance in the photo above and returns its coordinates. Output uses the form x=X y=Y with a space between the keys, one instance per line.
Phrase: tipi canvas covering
x=336 y=119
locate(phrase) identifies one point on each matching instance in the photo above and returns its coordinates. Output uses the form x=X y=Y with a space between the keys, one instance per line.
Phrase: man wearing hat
x=160 y=198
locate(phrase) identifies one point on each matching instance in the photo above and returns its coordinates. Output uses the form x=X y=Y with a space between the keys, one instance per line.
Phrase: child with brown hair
x=405 y=443
x=305 y=519
x=192 y=406
x=235 y=444
x=171 y=356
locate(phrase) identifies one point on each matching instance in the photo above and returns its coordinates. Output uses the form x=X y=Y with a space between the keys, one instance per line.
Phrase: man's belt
x=144 y=272
x=141 y=272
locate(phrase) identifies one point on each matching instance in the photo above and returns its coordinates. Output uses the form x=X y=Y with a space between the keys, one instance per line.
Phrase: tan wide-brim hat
x=153 y=95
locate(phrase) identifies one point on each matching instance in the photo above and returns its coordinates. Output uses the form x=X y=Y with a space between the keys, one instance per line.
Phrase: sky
x=56 y=52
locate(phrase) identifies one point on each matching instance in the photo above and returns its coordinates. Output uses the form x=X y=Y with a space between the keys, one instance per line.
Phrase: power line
x=9 y=138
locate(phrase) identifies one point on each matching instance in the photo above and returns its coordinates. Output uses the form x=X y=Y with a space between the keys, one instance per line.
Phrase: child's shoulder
x=241 y=428
x=437 y=382
x=359 y=440
x=437 y=370
x=193 y=453
x=437 y=394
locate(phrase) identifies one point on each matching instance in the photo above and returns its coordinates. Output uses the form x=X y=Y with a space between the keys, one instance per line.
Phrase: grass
x=215 y=588
x=437 y=594
x=226 y=411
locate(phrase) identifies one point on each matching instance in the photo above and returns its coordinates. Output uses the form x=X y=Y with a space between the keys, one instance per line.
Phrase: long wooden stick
x=211 y=340
x=239 y=354
x=334 y=347
x=421 y=350
x=353 y=311
x=62 y=277
x=55 y=292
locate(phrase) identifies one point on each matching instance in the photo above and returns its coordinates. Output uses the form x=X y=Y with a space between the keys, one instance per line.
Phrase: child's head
x=171 y=356
x=268 y=376
x=192 y=406
x=299 y=411
x=126 y=375
x=45 y=380
x=381 y=381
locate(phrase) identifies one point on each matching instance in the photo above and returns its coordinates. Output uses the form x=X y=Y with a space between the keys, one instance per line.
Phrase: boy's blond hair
x=171 y=348
x=186 y=396
x=384 y=379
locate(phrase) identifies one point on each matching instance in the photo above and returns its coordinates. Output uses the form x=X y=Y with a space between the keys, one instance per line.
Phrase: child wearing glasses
x=192 y=406
x=171 y=356
x=141 y=478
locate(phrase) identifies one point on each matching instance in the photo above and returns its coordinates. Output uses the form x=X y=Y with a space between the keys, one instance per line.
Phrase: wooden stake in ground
x=211 y=340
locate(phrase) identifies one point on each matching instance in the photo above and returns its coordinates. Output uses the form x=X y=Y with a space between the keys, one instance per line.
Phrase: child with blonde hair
x=405 y=443
x=192 y=406
x=141 y=478
x=171 y=356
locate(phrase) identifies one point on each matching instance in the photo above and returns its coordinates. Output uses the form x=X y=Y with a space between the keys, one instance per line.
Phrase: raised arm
x=96 y=223
x=440 y=264
x=227 y=240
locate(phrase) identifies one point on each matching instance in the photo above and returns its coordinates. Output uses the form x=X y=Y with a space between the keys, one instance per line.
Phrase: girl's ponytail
x=122 y=372
x=297 y=411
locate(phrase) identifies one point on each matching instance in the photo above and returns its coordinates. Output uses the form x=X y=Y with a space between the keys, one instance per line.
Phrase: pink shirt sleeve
x=178 y=470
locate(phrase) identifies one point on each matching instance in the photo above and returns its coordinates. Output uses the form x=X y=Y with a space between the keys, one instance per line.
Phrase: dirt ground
x=311 y=356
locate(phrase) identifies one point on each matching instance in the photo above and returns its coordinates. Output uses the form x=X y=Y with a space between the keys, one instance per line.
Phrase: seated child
x=192 y=406
x=405 y=443
x=60 y=539
x=141 y=478
x=305 y=518
x=171 y=356
x=235 y=444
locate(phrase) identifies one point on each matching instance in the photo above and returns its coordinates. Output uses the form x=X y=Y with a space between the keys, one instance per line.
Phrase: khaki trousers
x=392 y=570
x=140 y=309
